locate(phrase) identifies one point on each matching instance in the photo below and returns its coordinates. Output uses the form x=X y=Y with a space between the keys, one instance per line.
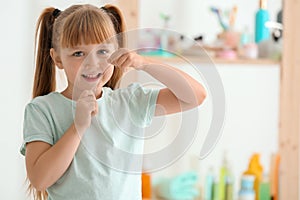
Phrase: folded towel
x=181 y=187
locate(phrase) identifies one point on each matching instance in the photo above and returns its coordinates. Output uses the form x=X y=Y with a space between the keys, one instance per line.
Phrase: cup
x=230 y=39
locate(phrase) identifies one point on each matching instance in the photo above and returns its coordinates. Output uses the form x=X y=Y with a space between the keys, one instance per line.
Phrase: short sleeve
x=36 y=126
x=142 y=104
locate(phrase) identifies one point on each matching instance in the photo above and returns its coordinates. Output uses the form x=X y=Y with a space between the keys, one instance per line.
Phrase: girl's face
x=86 y=67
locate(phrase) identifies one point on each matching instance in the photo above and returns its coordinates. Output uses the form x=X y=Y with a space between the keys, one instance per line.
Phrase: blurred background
x=250 y=80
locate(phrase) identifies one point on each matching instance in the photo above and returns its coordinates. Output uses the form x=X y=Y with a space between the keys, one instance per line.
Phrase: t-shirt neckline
x=73 y=101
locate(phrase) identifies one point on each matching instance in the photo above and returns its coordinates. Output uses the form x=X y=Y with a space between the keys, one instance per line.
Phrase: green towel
x=181 y=187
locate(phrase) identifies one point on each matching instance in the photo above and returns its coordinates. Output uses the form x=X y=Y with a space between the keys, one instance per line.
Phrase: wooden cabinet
x=289 y=123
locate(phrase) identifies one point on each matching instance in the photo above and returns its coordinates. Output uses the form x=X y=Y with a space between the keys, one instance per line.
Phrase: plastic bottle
x=246 y=192
x=248 y=48
x=223 y=175
x=164 y=36
x=261 y=17
x=229 y=188
x=209 y=181
x=255 y=169
x=265 y=189
x=146 y=185
x=245 y=37
x=216 y=189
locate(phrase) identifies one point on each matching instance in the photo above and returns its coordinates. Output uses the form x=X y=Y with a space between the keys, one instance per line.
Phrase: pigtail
x=118 y=21
x=44 y=78
x=37 y=195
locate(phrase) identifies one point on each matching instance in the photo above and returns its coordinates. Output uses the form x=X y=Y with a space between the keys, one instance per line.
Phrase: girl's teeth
x=90 y=76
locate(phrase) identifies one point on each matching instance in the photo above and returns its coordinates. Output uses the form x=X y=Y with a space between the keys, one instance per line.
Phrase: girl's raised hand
x=125 y=58
x=86 y=108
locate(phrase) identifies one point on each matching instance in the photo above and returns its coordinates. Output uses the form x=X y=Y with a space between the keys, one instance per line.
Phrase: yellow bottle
x=255 y=169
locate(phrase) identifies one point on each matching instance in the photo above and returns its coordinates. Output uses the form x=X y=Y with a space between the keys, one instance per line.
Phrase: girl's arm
x=182 y=92
x=45 y=164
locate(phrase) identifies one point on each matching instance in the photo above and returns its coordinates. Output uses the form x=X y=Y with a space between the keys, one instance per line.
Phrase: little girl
x=81 y=41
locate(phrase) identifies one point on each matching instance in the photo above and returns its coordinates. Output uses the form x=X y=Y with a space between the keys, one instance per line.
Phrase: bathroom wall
x=16 y=67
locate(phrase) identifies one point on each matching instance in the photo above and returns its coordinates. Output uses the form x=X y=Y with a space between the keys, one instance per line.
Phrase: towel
x=181 y=187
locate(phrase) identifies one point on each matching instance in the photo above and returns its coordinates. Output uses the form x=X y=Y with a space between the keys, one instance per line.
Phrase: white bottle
x=246 y=192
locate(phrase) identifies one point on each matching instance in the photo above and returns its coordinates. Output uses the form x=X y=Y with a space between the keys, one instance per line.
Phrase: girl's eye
x=103 y=51
x=78 y=54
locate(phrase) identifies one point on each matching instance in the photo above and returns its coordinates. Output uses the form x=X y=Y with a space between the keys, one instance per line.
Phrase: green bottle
x=224 y=173
x=264 y=189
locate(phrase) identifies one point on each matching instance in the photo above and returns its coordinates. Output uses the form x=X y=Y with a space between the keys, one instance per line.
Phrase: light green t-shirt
x=108 y=161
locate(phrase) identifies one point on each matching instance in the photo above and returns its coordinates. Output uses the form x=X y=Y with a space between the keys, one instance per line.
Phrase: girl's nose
x=91 y=61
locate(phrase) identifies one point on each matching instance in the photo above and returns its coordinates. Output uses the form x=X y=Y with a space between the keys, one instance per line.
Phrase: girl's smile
x=91 y=77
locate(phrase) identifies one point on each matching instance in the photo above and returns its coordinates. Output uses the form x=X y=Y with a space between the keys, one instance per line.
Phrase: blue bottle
x=247 y=192
x=261 y=17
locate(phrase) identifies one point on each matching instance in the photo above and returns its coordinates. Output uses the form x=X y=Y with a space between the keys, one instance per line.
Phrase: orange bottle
x=146 y=186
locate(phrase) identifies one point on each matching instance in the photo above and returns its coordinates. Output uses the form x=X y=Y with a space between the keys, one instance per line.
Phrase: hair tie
x=56 y=13
x=105 y=9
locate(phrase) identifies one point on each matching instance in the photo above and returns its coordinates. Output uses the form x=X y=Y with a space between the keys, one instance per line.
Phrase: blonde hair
x=76 y=25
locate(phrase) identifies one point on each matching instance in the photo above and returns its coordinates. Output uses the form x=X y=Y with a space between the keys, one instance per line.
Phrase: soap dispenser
x=261 y=17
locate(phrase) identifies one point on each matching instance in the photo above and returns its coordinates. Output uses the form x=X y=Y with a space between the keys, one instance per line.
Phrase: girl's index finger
x=87 y=93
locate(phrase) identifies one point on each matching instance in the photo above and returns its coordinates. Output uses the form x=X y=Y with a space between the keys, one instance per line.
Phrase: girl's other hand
x=86 y=108
x=125 y=58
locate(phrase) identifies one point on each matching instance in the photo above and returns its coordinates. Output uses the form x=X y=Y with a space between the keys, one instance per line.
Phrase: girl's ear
x=56 y=58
